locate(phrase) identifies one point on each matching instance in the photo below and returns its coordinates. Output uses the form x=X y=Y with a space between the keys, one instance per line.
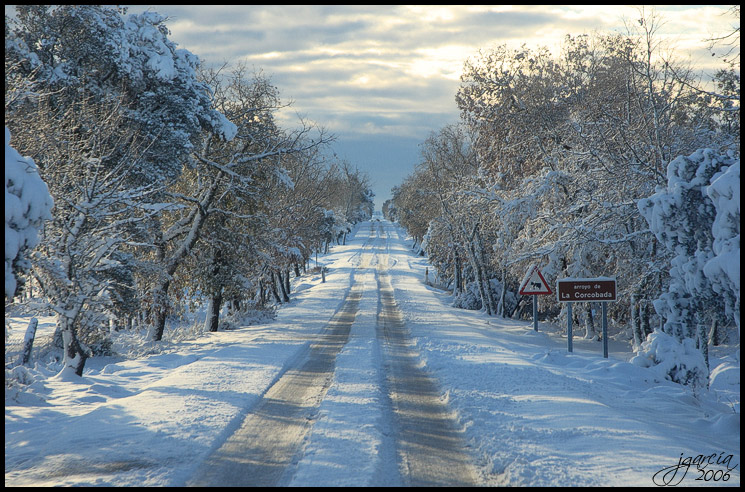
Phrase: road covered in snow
x=372 y=379
x=429 y=445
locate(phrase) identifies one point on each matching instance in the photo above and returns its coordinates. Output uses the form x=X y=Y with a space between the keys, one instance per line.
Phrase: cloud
x=388 y=73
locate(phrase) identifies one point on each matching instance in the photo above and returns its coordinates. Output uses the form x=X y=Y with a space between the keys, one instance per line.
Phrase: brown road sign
x=586 y=290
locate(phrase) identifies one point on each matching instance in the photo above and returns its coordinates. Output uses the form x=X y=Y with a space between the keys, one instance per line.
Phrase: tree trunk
x=213 y=313
x=262 y=293
x=644 y=328
x=287 y=283
x=714 y=335
x=635 y=321
x=503 y=294
x=160 y=306
x=589 y=322
x=75 y=352
x=478 y=271
x=482 y=262
x=198 y=217
x=57 y=337
x=283 y=288
x=703 y=340
x=28 y=340
x=458 y=275
x=483 y=289
x=274 y=289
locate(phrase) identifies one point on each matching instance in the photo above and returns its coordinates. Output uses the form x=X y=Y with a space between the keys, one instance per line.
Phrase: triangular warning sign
x=534 y=283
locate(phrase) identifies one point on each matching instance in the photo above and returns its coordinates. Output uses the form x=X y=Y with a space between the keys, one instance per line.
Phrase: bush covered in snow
x=470 y=298
x=680 y=362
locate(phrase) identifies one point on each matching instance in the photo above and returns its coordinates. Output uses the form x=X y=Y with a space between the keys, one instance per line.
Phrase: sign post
x=534 y=284
x=569 y=327
x=602 y=290
x=605 y=329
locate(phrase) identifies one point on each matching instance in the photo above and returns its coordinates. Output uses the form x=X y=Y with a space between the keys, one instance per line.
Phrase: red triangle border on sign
x=540 y=275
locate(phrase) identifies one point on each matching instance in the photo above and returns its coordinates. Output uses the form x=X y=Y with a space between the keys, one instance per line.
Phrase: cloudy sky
x=382 y=77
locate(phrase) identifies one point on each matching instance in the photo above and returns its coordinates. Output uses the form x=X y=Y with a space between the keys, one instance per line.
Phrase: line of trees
x=171 y=181
x=577 y=161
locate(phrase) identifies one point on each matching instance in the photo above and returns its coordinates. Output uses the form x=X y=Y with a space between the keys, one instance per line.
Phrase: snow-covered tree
x=351 y=197
x=389 y=208
x=119 y=109
x=104 y=51
x=27 y=205
x=685 y=220
x=723 y=269
x=226 y=179
x=82 y=263
x=564 y=145
x=163 y=173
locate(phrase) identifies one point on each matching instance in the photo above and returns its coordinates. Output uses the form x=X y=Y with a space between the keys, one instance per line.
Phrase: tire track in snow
x=429 y=443
x=267 y=442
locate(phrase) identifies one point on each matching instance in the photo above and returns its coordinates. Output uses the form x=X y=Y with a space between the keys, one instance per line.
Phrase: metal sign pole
x=534 y=284
x=569 y=326
x=605 y=329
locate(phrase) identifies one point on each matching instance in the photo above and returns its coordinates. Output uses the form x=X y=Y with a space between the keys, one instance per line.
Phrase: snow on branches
x=27 y=205
x=684 y=218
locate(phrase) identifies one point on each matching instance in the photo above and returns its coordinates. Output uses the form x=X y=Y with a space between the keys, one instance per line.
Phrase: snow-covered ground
x=534 y=414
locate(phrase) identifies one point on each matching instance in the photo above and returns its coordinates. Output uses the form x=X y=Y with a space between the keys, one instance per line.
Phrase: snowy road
x=429 y=445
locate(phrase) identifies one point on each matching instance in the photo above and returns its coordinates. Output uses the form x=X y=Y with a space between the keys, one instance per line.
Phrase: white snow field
x=532 y=413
